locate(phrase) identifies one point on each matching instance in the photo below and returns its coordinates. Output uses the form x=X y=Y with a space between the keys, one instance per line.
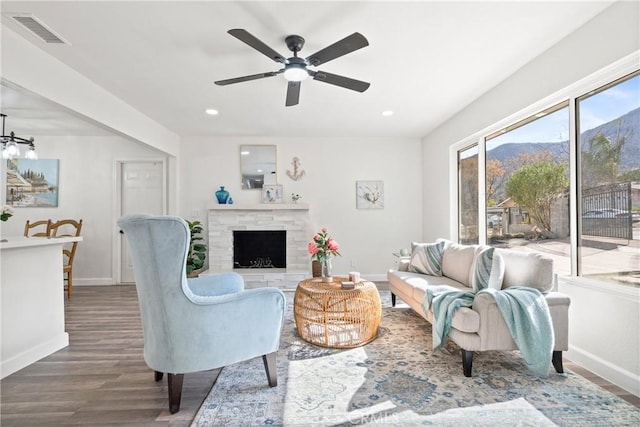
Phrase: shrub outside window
x=527 y=186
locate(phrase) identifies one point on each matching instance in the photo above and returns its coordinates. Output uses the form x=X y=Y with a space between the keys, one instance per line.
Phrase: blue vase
x=222 y=195
x=230 y=201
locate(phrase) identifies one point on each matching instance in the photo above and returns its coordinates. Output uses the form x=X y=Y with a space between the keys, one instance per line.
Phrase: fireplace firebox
x=260 y=249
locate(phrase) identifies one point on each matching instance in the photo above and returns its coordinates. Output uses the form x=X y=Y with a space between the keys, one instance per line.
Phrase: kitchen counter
x=32 y=300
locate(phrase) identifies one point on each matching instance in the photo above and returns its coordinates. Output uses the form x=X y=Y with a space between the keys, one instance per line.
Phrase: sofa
x=481 y=327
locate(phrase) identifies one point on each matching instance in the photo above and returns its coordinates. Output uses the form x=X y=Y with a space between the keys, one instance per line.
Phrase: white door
x=142 y=191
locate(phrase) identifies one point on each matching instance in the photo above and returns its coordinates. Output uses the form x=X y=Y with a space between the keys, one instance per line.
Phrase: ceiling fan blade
x=293 y=94
x=341 y=81
x=254 y=42
x=347 y=45
x=246 y=78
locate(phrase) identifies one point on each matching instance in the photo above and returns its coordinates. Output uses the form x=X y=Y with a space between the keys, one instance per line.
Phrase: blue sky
x=594 y=111
x=49 y=167
x=610 y=104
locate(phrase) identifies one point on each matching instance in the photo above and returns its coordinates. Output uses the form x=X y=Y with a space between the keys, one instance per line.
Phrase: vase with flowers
x=322 y=248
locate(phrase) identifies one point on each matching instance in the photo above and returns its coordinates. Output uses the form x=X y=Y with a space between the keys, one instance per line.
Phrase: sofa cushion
x=487 y=269
x=465 y=319
x=426 y=258
x=527 y=269
x=457 y=260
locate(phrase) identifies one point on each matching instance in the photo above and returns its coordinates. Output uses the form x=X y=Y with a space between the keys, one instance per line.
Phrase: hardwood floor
x=101 y=378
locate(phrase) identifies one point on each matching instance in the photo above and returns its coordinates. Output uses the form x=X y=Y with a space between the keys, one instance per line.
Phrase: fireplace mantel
x=260 y=206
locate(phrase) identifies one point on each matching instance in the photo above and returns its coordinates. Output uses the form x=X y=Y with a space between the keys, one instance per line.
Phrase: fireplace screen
x=260 y=249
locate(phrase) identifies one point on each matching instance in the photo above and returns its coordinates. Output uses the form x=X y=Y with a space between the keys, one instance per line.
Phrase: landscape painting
x=32 y=183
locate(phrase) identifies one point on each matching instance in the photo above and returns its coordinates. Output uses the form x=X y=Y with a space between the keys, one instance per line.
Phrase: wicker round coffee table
x=329 y=316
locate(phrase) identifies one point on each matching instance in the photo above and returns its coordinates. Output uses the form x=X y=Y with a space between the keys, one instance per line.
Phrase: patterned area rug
x=398 y=380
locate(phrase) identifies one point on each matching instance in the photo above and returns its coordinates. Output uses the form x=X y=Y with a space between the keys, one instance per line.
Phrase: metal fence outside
x=606 y=211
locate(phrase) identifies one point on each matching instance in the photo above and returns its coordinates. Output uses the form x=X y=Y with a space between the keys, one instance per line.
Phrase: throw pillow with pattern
x=426 y=258
x=488 y=269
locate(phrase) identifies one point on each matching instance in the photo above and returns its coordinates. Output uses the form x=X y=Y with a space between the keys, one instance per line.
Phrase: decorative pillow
x=426 y=258
x=488 y=270
x=457 y=260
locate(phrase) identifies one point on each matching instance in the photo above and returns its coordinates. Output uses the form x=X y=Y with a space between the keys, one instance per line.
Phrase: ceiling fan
x=297 y=69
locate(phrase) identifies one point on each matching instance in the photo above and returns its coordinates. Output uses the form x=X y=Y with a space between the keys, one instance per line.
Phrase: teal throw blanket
x=524 y=310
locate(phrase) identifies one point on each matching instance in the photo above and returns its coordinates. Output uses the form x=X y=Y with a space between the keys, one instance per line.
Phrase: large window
x=530 y=180
x=609 y=182
x=527 y=186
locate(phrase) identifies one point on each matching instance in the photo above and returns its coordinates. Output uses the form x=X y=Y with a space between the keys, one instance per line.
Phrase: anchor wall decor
x=297 y=173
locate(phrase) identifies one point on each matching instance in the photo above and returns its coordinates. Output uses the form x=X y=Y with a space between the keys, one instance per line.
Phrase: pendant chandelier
x=10 y=145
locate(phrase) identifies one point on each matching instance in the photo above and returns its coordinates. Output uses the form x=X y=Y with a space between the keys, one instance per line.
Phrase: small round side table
x=329 y=316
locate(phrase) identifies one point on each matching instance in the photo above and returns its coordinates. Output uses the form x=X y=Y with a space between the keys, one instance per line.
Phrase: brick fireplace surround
x=223 y=220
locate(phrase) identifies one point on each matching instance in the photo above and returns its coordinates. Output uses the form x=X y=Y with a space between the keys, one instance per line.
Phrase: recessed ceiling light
x=387 y=113
x=211 y=111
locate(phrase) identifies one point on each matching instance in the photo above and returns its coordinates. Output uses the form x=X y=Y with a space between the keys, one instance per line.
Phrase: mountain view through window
x=527 y=179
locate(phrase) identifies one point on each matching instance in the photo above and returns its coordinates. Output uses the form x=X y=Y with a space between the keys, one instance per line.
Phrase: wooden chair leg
x=270 y=367
x=467 y=362
x=69 y=284
x=158 y=375
x=175 y=391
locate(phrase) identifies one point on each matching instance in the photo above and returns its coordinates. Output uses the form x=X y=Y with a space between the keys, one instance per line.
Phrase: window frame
x=576 y=269
x=480 y=186
x=606 y=77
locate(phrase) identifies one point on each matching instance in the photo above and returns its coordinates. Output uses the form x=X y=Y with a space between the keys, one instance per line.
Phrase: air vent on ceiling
x=37 y=27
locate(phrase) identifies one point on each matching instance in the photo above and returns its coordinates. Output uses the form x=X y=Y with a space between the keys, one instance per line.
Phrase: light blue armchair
x=193 y=325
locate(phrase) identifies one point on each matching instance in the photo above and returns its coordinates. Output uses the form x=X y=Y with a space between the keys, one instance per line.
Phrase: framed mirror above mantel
x=258 y=166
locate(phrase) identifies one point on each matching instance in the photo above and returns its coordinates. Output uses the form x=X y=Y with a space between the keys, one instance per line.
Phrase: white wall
x=604 y=330
x=86 y=191
x=609 y=37
x=367 y=237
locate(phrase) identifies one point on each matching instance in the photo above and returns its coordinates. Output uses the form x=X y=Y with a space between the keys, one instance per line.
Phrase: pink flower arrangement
x=323 y=246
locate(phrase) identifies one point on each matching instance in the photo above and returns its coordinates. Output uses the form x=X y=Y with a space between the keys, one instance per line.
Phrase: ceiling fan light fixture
x=295 y=73
x=295 y=68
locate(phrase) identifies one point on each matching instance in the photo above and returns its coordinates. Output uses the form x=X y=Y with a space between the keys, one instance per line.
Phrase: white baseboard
x=107 y=281
x=96 y=281
x=612 y=373
x=375 y=277
x=26 y=358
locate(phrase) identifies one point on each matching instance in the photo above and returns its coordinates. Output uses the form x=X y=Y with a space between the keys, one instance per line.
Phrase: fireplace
x=259 y=249
x=291 y=219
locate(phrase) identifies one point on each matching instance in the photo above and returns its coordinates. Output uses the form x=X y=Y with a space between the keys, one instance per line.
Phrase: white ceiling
x=426 y=61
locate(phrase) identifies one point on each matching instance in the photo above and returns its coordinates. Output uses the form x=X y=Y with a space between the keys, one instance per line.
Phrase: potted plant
x=197 y=250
